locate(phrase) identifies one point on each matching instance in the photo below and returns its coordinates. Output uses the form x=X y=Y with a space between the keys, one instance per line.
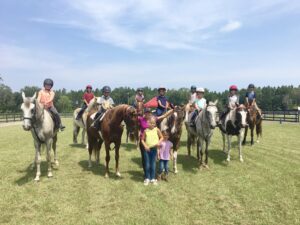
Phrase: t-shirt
x=233 y=100
x=163 y=100
x=46 y=97
x=201 y=103
x=152 y=138
x=143 y=124
x=251 y=96
x=164 y=150
x=193 y=98
x=139 y=98
x=105 y=101
x=88 y=96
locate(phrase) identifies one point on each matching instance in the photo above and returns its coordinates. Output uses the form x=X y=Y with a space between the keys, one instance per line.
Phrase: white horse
x=234 y=124
x=206 y=122
x=81 y=124
x=39 y=121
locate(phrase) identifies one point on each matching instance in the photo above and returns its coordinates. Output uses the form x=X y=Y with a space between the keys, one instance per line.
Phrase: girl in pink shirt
x=164 y=155
x=46 y=98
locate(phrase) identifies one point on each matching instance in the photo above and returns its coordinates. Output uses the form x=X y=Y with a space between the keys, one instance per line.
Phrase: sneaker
x=146 y=182
x=154 y=182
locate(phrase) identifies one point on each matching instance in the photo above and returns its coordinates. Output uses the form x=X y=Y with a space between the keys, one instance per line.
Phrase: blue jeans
x=163 y=165
x=150 y=163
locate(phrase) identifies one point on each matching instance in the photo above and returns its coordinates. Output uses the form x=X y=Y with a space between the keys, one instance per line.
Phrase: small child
x=163 y=103
x=151 y=139
x=232 y=101
x=87 y=97
x=193 y=95
x=164 y=155
x=140 y=95
x=250 y=98
x=200 y=104
x=46 y=98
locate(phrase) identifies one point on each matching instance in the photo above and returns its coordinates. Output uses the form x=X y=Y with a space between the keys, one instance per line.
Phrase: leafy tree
x=64 y=104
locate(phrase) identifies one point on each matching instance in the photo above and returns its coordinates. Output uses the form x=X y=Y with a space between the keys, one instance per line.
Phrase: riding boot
x=193 y=119
x=79 y=115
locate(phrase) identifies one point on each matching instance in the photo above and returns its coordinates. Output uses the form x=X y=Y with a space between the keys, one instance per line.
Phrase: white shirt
x=232 y=101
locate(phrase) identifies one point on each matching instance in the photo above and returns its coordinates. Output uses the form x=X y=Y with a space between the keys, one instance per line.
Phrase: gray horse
x=39 y=121
x=206 y=122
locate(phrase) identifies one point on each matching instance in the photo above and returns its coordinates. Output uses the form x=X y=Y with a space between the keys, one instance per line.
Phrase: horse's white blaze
x=164 y=125
x=173 y=130
x=244 y=118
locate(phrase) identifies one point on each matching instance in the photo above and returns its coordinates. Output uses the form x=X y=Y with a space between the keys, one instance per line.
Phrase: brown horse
x=111 y=131
x=134 y=136
x=173 y=125
x=255 y=121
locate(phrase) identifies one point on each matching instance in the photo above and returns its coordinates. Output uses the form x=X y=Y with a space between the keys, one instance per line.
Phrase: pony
x=234 y=124
x=81 y=124
x=206 y=122
x=173 y=125
x=111 y=131
x=39 y=121
x=255 y=121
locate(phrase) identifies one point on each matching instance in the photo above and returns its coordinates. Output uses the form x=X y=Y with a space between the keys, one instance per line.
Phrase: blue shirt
x=251 y=96
x=160 y=110
x=201 y=103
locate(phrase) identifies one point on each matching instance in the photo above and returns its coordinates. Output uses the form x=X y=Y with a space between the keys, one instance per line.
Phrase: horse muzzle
x=26 y=128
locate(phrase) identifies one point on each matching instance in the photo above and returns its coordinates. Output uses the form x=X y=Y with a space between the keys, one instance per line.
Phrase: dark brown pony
x=173 y=125
x=255 y=121
x=111 y=131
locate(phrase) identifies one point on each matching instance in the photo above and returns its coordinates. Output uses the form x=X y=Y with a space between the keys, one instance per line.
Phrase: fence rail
x=15 y=117
x=282 y=116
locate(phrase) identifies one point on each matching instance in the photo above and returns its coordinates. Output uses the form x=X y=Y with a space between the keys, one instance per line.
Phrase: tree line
x=268 y=98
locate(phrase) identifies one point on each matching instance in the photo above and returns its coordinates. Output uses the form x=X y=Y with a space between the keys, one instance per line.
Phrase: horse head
x=29 y=110
x=211 y=114
x=131 y=119
x=241 y=117
x=176 y=119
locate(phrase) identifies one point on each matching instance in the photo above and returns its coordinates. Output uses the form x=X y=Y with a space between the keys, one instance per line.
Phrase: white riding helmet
x=200 y=90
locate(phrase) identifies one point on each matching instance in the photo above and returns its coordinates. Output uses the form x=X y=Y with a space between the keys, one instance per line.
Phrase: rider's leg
x=83 y=108
x=54 y=111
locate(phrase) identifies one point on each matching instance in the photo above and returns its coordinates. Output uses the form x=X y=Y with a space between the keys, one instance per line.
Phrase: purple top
x=143 y=124
x=164 y=150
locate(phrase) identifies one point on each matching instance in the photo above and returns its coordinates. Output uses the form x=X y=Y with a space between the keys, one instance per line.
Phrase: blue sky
x=150 y=43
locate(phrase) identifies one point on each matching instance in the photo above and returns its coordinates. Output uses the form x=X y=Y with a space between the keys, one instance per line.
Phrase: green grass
x=262 y=190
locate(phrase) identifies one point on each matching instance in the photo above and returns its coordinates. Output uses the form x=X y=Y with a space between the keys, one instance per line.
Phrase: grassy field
x=263 y=190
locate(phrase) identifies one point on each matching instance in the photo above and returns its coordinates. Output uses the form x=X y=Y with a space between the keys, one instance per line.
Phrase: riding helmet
x=200 y=90
x=89 y=87
x=48 y=82
x=251 y=86
x=233 y=88
x=193 y=87
x=106 y=89
x=139 y=89
x=162 y=88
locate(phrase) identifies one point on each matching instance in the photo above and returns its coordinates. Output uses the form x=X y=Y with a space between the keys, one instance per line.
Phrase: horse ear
x=23 y=96
x=33 y=97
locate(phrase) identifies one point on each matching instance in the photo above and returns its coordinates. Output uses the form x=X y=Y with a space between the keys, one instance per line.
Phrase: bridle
x=208 y=115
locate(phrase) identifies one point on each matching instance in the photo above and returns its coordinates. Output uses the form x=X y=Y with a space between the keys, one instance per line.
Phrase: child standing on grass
x=164 y=155
x=151 y=139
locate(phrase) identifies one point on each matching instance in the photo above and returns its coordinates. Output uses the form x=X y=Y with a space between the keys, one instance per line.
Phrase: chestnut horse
x=111 y=131
x=134 y=136
x=254 y=120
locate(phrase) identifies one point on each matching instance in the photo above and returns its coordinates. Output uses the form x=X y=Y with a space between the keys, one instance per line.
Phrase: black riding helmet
x=251 y=86
x=140 y=89
x=193 y=88
x=106 y=89
x=48 y=82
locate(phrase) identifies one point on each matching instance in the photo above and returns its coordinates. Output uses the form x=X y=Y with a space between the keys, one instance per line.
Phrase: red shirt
x=88 y=96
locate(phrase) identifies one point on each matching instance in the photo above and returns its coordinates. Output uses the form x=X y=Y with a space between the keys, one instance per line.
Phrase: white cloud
x=231 y=26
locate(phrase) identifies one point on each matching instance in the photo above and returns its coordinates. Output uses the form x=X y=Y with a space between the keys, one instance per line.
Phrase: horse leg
x=127 y=137
x=38 y=160
x=252 y=134
x=97 y=150
x=76 y=130
x=48 y=146
x=198 y=146
x=83 y=136
x=90 y=148
x=206 y=153
x=107 y=159
x=240 y=146
x=201 y=152
x=229 y=147
x=175 y=161
x=245 y=135
x=54 y=150
x=117 y=156
x=224 y=143
x=189 y=143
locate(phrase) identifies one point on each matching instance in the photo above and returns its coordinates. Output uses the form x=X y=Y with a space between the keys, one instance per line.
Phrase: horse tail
x=259 y=128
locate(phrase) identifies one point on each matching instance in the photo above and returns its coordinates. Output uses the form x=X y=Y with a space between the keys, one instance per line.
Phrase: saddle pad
x=93 y=116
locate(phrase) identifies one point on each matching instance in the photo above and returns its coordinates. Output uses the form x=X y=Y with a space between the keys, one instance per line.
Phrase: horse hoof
x=50 y=175
x=257 y=141
x=241 y=160
x=228 y=159
x=37 y=179
x=205 y=166
x=106 y=175
x=175 y=171
x=118 y=174
x=56 y=163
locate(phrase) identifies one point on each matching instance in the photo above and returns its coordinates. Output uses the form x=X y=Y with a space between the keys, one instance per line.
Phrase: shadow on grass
x=218 y=157
x=189 y=163
x=135 y=175
x=30 y=172
x=81 y=146
x=98 y=169
x=129 y=146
